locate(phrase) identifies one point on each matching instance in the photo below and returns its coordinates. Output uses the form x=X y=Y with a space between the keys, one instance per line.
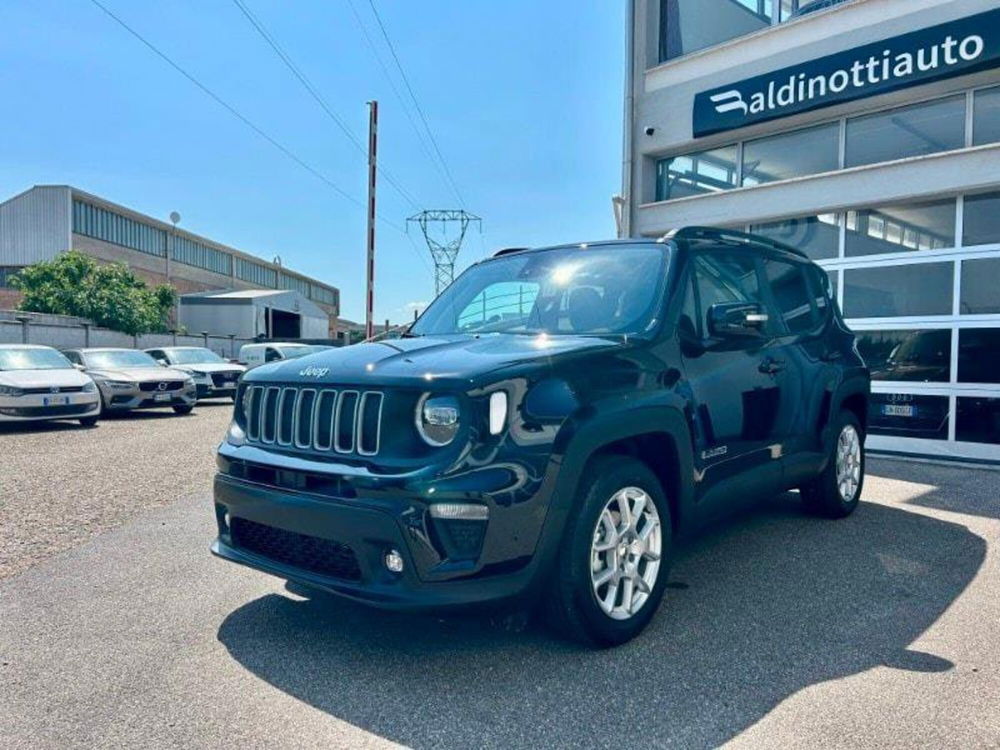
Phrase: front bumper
x=369 y=524
x=209 y=390
x=122 y=399
x=37 y=407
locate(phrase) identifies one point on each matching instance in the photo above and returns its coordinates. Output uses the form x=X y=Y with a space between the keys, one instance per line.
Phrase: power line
x=421 y=138
x=242 y=118
x=416 y=104
x=307 y=84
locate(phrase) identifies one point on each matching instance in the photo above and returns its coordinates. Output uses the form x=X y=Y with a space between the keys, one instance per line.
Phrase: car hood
x=140 y=374
x=458 y=358
x=69 y=377
x=212 y=367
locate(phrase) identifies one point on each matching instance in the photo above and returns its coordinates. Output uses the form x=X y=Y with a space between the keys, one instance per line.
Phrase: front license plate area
x=899 y=410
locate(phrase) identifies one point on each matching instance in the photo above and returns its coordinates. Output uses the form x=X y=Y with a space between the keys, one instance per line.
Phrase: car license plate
x=55 y=401
x=898 y=410
x=161 y=397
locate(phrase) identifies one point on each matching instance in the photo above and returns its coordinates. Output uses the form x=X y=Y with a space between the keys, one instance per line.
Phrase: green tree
x=108 y=294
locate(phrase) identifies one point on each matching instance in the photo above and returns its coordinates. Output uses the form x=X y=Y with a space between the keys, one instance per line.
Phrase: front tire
x=614 y=557
x=88 y=421
x=837 y=491
x=181 y=410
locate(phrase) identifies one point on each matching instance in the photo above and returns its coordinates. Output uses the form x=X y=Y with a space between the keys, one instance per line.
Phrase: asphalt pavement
x=778 y=630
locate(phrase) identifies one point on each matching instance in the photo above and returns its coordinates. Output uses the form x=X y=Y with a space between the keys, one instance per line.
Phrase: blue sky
x=523 y=97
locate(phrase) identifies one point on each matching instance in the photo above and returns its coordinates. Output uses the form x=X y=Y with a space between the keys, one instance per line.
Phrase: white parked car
x=214 y=376
x=255 y=355
x=38 y=383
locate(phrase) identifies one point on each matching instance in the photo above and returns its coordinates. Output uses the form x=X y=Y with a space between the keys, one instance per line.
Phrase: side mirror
x=78 y=366
x=736 y=319
x=162 y=363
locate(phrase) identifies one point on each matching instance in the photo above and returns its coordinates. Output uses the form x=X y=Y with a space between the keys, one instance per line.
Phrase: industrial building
x=865 y=132
x=40 y=223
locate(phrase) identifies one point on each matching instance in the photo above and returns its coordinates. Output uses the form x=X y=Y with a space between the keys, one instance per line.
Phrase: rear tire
x=837 y=491
x=614 y=558
x=182 y=409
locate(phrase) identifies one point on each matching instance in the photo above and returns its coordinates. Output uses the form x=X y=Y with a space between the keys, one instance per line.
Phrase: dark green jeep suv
x=548 y=427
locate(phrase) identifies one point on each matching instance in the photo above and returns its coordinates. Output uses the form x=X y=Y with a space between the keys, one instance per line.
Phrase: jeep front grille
x=320 y=419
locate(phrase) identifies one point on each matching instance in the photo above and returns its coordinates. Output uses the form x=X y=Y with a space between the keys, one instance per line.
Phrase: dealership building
x=866 y=133
x=46 y=220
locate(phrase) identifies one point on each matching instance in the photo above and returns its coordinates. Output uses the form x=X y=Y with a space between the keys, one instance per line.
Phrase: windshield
x=106 y=360
x=291 y=352
x=193 y=357
x=33 y=359
x=613 y=289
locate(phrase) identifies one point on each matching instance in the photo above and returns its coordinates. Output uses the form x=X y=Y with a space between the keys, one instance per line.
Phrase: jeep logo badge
x=314 y=372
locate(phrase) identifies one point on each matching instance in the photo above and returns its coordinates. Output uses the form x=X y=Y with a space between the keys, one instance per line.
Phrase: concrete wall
x=69 y=333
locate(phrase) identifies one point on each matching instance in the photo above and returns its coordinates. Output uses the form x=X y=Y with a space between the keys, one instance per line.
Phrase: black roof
x=681 y=234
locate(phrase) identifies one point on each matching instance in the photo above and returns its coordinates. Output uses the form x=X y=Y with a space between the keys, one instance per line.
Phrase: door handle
x=771 y=366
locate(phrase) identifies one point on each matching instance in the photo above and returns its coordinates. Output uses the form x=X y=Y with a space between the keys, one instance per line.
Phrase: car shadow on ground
x=959 y=488
x=759 y=609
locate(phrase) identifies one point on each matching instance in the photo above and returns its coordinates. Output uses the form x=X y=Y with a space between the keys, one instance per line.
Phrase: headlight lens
x=437 y=419
x=235 y=435
x=9 y=390
x=90 y=387
x=123 y=384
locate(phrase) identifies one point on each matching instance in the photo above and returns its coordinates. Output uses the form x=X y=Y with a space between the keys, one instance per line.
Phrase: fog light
x=393 y=561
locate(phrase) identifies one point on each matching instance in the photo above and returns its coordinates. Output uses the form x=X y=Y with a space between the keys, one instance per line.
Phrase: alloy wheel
x=848 y=463
x=625 y=553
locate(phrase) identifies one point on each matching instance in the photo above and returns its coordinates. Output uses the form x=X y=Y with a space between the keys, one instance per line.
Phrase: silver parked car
x=130 y=379
x=39 y=383
x=214 y=376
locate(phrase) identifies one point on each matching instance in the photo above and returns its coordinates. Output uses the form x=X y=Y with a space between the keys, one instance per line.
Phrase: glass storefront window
x=690 y=25
x=978 y=420
x=980 y=286
x=916 y=130
x=908 y=415
x=986 y=116
x=781 y=157
x=981 y=219
x=697 y=173
x=929 y=225
x=914 y=356
x=890 y=291
x=979 y=355
x=816 y=236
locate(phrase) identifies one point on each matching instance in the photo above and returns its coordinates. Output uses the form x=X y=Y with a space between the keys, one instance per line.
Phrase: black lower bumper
x=368 y=530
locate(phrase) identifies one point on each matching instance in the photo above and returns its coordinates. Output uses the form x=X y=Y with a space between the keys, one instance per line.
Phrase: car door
x=793 y=361
x=733 y=399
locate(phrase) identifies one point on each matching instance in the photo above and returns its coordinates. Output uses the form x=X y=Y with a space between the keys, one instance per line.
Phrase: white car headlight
x=9 y=390
x=90 y=387
x=120 y=384
x=437 y=419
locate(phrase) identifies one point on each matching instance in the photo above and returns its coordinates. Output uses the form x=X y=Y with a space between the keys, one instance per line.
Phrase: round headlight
x=437 y=419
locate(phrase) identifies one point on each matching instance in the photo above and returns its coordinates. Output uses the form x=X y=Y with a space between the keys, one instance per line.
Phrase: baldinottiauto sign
x=960 y=47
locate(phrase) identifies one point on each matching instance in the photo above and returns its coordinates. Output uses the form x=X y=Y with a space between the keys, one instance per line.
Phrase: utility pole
x=372 y=162
x=445 y=251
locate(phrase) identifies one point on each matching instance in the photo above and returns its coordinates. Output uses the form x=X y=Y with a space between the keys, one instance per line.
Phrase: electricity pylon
x=444 y=251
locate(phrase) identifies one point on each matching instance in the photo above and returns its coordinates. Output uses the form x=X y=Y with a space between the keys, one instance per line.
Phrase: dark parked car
x=547 y=427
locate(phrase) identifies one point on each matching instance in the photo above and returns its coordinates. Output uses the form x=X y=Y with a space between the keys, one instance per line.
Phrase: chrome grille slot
x=345 y=421
x=313 y=419
x=305 y=406
x=326 y=407
x=286 y=415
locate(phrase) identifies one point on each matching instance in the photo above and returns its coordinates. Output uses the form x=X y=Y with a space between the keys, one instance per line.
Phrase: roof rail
x=731 y=235
x=509 y=251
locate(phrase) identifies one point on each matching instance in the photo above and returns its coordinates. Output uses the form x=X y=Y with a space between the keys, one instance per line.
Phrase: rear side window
x=791 y=294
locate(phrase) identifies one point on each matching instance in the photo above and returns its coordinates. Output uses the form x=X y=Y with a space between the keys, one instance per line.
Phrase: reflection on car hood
x=426 y=358
x=69 y=377
x=140 y=374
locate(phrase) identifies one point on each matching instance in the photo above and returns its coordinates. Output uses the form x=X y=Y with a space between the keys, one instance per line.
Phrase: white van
x=255 y=355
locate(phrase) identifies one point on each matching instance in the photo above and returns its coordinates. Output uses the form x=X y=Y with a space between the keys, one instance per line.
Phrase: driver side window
x=720 y=277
